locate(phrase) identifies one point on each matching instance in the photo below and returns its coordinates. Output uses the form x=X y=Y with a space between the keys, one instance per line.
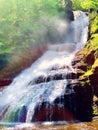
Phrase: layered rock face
x=58 y=96
x=70 y=106
x=86 y=61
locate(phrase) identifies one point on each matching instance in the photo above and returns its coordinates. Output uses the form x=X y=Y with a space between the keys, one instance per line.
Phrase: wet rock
x=72 y=75
x=52 y=112
x=94 y=83
x=55 y=76
x=70 y=15
x=22 y=114
x=84 y=99
x=94 y=79
x=18 y=114
x=5 y=82
x=96 y=69
x=78 y=58
x=82 y=66
x=90 y=58
x=69 y=11
x=75 y=104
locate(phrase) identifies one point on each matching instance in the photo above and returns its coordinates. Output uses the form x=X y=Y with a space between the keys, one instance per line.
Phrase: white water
x=24 y=91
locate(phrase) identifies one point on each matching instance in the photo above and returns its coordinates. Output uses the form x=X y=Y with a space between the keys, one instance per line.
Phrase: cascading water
x=42 y=92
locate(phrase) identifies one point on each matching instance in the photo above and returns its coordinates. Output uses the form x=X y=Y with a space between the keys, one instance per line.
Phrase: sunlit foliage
x=22 y=22
x=85 y=4
x=89 y=4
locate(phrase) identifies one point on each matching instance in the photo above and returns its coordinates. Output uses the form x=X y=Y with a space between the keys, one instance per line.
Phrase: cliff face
x=86 y=60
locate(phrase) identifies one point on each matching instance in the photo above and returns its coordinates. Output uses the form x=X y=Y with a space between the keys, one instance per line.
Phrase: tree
x=89 y=4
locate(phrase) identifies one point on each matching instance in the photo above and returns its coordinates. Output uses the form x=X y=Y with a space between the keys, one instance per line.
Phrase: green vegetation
x=90 y=54
x=77 y=4
x=92 y=44
x=85 y=4
x=89 y=72
x=23 y=23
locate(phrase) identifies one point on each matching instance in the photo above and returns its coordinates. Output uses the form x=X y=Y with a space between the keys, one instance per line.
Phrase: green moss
x=91 y=48
x=91 y=70
x=95 y=108
x=94 y=26
x=82 y=84
x=87 y=73
x=92 y=45
x=95 y=64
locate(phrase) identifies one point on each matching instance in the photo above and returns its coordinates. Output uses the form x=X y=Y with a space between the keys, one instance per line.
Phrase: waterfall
x=42 y=92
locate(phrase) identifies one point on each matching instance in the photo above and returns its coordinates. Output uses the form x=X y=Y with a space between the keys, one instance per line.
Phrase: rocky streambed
x=75 y=126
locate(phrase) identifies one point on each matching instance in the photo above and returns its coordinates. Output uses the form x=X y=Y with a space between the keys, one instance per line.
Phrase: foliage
x=25 y=22
x=92 y=44
x=89 y=56
x=89 y=4
x=77 y=4
x=85 y=4
x=94 y=25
